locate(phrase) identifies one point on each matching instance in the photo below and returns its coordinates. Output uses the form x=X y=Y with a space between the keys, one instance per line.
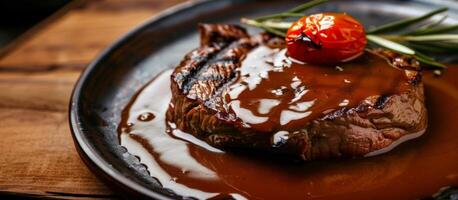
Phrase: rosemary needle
x=432 y=37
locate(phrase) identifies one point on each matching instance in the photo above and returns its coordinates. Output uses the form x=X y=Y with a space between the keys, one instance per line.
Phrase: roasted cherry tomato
x=326 y=38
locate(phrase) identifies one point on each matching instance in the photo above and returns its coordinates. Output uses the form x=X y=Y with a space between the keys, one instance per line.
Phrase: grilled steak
x=241 y=91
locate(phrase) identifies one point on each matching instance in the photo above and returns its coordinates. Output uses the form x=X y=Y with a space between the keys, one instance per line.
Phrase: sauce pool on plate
x=190 y=167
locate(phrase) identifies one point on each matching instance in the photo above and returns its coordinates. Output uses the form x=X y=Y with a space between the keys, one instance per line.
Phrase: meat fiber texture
x=375 y=125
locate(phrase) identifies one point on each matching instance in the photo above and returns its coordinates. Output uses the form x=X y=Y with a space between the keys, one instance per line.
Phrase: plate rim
x=92 y=159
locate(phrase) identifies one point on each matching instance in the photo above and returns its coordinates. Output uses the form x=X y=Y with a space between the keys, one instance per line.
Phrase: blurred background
x=44 y=46
x=17 y=16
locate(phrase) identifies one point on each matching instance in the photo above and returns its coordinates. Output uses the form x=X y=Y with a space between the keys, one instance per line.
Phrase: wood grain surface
x=37 y=74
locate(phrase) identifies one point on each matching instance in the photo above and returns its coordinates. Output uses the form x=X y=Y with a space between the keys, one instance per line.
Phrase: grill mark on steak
x=381 y=101
x=222 y=49
x=230 y=44
x=191 y=64
x=197 y=106
x=218 y=70
x=214 y=38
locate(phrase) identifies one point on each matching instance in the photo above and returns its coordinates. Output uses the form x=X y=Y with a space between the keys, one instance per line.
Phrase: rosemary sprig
x=294 y=12
x=443 y=29
x=402 y=24
x=390 y=45
x=269 y=28
x=425 y=27
x=429 y=61
x=432 y=37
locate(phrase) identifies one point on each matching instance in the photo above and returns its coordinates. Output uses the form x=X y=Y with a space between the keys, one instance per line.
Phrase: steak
x=238 y=91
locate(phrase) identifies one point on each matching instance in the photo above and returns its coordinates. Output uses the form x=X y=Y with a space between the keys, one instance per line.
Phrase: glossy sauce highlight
x=190 y=167
x=274 y=93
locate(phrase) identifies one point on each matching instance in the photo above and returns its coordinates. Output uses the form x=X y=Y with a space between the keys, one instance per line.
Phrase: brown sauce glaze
x=274 y=93
x=190 y=167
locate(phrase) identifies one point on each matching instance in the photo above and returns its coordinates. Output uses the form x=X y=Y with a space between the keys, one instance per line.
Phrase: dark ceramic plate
x=112 y=79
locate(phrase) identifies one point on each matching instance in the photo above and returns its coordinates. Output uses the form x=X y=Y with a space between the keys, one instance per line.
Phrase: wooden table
x=37 y=74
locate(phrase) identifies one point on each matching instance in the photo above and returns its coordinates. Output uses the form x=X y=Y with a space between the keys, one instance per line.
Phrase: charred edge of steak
x=381 y=101
x=349 y=132
x=222 y=48
x=345 y=133
x=220 y=33
x=198 y=80
x=214 y=38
